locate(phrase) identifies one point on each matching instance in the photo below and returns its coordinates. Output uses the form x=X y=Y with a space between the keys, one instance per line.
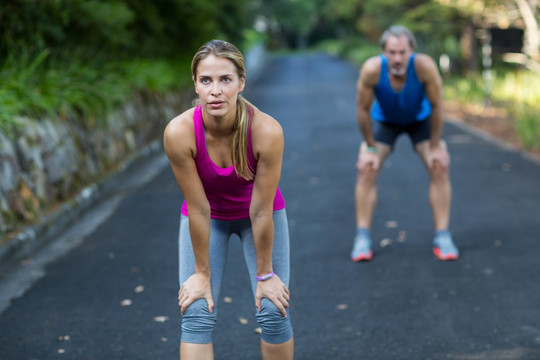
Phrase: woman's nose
x=216 y=89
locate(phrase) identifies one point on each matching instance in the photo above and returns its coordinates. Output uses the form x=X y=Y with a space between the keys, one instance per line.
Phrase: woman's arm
x=179 y=143
x=268 y=145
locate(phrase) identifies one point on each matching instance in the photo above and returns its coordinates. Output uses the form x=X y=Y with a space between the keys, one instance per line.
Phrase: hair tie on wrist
x=265 y=276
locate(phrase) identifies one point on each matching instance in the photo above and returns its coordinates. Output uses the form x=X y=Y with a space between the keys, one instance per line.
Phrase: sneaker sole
x=442 y=257
x=363 y=257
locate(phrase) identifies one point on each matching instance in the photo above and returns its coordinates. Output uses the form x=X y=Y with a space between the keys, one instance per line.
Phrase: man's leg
x=365 y=195
x=440 y=198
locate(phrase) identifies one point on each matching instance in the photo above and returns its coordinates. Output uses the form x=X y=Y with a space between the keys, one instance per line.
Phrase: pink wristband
x=265 y=277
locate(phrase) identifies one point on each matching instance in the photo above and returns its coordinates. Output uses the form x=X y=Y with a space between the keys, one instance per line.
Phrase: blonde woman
x=226 y=156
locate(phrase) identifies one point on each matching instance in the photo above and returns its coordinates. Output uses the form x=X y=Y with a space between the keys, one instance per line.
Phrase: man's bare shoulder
x=425 y=66
x=371 y=70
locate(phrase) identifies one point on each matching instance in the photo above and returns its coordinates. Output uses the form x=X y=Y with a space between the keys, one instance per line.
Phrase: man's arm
x=365 y=96
x=428 y=73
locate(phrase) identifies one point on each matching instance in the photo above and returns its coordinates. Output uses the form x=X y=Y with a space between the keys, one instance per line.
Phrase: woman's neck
x=219 y=126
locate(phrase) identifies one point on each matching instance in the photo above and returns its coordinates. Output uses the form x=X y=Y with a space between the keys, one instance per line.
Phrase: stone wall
x=45 y=162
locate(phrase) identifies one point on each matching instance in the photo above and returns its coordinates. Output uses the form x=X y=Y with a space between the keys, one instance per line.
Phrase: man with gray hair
x=399 y=92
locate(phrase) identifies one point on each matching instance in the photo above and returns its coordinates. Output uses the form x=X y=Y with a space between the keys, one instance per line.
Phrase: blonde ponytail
x=239 y=142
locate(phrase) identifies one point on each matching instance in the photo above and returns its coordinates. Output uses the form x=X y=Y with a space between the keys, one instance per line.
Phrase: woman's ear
x=195 y=84
x=242 y=84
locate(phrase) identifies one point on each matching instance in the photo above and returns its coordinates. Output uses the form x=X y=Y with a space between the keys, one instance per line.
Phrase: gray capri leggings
x=197 y=322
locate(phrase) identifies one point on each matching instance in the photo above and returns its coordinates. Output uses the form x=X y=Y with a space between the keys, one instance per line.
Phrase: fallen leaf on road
x=126 y=302
x=161 y=319
x=402 y=236
x=61 y=351
x=258 y=330
x=386 y=242
x=64 y=338
x=391 y=224
x=342 y=306
x=139 y=289
x=164 y=339
x=227 y=299
x=243 y=321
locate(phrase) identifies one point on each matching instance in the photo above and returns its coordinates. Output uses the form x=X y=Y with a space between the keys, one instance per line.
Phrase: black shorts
x=387 y=133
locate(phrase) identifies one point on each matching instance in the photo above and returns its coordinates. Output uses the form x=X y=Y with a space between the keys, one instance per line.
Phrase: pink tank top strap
x=200 y=140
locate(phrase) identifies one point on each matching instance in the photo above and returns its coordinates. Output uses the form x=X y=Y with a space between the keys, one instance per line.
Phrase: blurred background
x=85 y=63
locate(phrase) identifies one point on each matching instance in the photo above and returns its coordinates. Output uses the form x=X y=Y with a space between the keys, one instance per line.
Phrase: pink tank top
x=229 y=195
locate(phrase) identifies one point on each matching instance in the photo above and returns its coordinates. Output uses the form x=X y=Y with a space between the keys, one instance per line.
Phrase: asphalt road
x=109 y=289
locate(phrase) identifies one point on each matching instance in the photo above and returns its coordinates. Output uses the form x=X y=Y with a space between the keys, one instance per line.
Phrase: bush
x=46 y=86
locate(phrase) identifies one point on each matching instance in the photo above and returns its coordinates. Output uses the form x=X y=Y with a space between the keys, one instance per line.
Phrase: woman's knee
x=198 y=323
x=276 y=328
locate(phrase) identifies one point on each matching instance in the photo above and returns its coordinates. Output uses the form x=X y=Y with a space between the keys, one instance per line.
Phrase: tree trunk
x=469 y=48
x=532 y=40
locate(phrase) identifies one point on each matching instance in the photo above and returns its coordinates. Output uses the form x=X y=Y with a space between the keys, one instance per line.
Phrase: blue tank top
x=404 y=107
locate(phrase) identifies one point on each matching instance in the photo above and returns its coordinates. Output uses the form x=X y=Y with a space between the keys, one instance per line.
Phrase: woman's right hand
x=197 y=286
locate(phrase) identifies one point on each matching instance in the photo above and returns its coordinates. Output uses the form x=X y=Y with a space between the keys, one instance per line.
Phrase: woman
x=226 y=156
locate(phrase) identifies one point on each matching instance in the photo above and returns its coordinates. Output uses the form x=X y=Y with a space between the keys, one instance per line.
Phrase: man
x=401 y=92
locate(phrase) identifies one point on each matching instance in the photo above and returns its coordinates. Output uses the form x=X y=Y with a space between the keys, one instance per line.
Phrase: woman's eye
x=227 y=80
x=205 y=80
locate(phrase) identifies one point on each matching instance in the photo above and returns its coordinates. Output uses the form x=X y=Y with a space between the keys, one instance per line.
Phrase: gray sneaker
x=444 y=248
x=362 y=248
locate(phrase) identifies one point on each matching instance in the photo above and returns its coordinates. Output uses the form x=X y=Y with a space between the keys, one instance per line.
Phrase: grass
x=80 y=90
x=518 y=92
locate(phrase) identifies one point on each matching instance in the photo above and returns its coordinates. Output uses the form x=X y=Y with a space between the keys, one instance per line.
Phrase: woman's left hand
x=274 y=290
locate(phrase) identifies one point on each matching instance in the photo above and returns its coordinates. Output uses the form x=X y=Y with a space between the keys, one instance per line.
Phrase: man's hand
x=195 y=287
x=274 y=290
x=438 y=155
x=366 y=158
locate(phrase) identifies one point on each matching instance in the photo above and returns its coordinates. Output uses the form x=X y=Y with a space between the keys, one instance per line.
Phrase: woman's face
x=217 y=83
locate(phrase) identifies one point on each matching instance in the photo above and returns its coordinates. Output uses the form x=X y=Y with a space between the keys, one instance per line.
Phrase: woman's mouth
x=216 y=104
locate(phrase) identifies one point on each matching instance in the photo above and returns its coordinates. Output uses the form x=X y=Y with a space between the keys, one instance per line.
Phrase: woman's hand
x=195 y=287
x=274 y=290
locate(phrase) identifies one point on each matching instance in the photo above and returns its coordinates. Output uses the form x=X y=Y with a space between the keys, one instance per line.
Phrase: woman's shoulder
x=181 y=123
x=180 y=127
x=264 y=124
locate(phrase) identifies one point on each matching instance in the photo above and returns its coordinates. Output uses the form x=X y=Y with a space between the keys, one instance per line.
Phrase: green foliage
x=79 y=59
x=528 y=125
x=516 y=91
x=468 y=89
x=46 y=86
x=354 y=49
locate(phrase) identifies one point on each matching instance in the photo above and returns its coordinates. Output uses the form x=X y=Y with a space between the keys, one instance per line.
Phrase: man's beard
x=398 y=72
